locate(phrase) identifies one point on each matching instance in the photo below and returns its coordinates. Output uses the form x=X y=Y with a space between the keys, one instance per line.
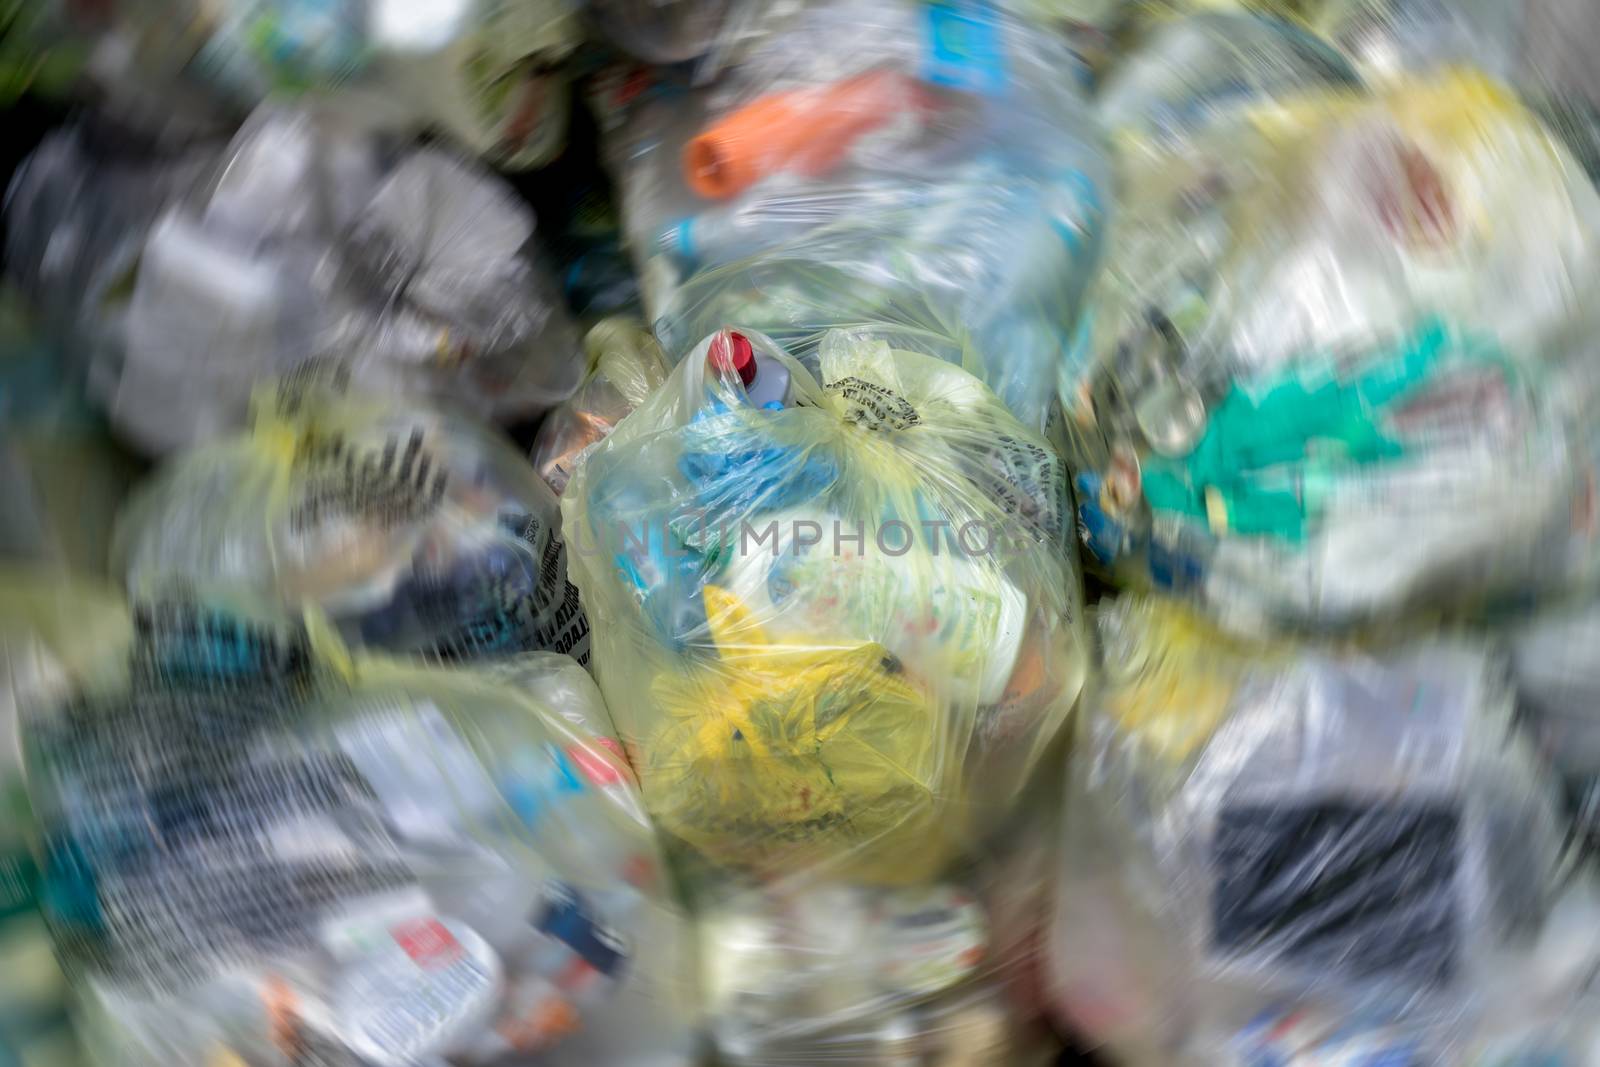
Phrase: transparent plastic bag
x=827 y=608
x=855 y=165
x=77 y=211
x=1187 y=72
x=1252 y=828
x=1387 y=39
x=625 y=366
x=311 y=242
x=1336 y=367
x=801 y=971
x=258 y=851
x=419 y=532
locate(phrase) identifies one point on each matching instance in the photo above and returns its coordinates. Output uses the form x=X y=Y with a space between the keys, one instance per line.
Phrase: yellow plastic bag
x=837 y=617
x=418 y=531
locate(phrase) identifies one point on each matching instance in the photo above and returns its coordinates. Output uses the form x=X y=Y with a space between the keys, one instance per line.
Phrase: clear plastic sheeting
x=838 y=617
x=1254 y=829
x=419 y=532
x=625 y=366
x=257 y=851
x=1321 y=379
x=898 y=162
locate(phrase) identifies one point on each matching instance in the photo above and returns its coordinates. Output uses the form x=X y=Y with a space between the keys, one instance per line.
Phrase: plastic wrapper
x=50 y=632
x=1324 y=379
x=1253 y=829
x=625 y=366
x=857 y=707
x=857 y=166
x=418 y=531
x=255 y=850
x=311 y=242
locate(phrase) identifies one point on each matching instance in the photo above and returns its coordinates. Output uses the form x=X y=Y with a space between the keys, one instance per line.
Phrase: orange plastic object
x=809 y=130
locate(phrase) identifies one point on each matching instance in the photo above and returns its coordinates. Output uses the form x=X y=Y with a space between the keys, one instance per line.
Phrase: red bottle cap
x=731 y=351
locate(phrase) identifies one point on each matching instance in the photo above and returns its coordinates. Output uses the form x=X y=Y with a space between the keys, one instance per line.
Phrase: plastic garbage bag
x=418 y=531
x=77 y=211
x=1253 y=827
x=625 y=366
x=855 y=165
x=837 y=616
x=491 y=74
x=799 y=971
x=844 y=944
x=1187 y=72
x=1388 y=39
x=50 y=632
x=310 y=242
x=1336 y=366
x=1558 y=692
x=258 y=851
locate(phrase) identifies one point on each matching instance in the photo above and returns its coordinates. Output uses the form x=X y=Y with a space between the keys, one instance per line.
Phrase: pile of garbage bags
x=878 y=533
x=258 y=849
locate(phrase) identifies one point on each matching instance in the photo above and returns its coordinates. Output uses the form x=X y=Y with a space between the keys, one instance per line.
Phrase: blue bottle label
x=964 y=48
